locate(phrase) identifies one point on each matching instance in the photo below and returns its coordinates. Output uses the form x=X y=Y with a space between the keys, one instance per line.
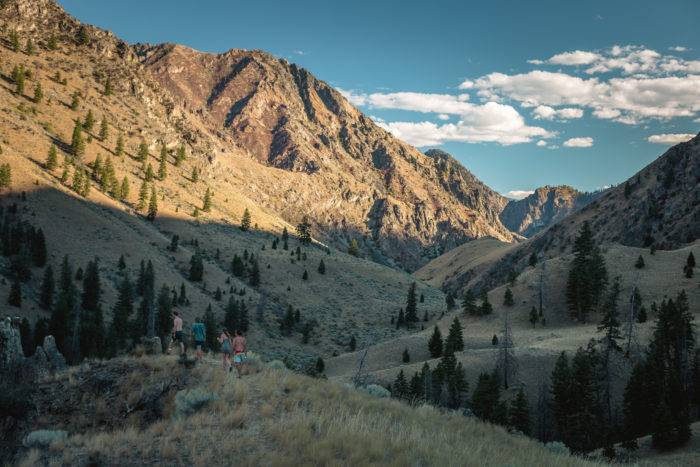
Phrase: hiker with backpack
x=199 y=334
x=226 y=349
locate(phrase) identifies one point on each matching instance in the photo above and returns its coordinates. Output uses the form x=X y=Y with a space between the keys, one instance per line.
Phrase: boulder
x=15 y=366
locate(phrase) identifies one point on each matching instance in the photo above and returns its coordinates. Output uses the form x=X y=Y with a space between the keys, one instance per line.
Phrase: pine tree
x=305 y=276
x=124 y=189
x=77 y=143
x=149 y=175
x=469 y=304
x=92 y=288
x=180 y=155
x=508 y=297
x=25 y=332
x=231 y=316
x=77 y=185
x=143 y=195
x=52 y=159
x=435 y=343
x=15 y=297
x=119 y=148
x=639 y=264
x=689 y=265
x=304 y=231
x=320 y=366
x=108 y=90
x=206 y=202
x=411 y=306
x=450 y=301
x=164 y=305
x=352 y=345
x=520 y=413
x=29 y=48
x=195 y=175
x=47 y=289
x=400 y=319
x=405 y=357
x=210 y=327
x=321 y=267
x=5 y=176
x=142 y=152
x=534 y=317
x=62 y=315
x=254 y=274
x=245 y=220
x=399 y=389
x=196 y=267
x=485 y=308
x=642 y=315
x=587 y=277
x=610 y=326
x=18 y=76
x=163 y=164
x=562 y=395
x=486 y=398
x=104 y=129
x=82 y=37
x=14 y=41
x=122 y=311
x=237 y=266
x=38 y=93
x=152 y=205
x=38 y=248
x=354 y=248
x=89 y=122
x=455 y=341
x=52 y=43
x=285 y=238
x=533 y=259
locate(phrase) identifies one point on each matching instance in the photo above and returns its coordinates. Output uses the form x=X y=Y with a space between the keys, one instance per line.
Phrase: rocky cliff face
x=352 y=178
x=546 y=206
x=14 y=366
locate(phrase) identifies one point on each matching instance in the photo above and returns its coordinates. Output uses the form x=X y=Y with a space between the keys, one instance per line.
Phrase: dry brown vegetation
x=276 y=417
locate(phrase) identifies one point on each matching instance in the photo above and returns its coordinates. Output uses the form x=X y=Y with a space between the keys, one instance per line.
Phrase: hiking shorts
x=178 y=336
x=199 y=345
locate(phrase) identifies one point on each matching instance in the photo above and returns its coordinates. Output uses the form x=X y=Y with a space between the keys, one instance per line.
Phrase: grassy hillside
x=270 y=418
x=536 y=348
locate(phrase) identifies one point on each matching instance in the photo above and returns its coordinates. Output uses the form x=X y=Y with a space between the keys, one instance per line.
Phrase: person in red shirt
x=239 y=349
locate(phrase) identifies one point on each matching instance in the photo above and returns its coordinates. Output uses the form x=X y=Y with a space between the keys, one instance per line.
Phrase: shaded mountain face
x=659 y=206
x=546 y=206
x=352 y=178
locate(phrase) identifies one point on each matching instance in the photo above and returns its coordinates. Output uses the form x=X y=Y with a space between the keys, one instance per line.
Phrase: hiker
x=239 y=349
x=177 y=332
x=199 y=336
x=225 y=341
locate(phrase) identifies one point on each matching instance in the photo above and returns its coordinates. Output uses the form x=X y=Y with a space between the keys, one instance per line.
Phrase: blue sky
x=523 y=93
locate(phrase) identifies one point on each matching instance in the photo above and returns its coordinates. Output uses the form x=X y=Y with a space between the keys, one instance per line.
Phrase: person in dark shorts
x=178 y=337
x=199 y=336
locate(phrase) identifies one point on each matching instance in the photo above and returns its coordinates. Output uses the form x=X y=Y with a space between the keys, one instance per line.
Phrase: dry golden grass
x=279 y=418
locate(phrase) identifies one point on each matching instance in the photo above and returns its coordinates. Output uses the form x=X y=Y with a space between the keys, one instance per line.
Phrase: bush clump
x=376 y=390
x=277 y=365
x=190 y=401
x=557 y=447
x=44 y=438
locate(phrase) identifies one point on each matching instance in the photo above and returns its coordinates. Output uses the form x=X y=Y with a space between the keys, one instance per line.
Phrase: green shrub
x=190 y=401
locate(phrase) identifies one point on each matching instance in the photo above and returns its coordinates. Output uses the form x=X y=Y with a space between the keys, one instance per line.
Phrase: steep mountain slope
x=546 y=206
x=659 y=206
x=353 y=178
x=355 y=297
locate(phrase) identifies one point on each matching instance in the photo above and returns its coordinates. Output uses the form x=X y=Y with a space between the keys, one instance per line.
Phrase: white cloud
x=670 y=138
x=678 y=48
x=518 y=194
x=625 y=99
x=544 y=112
x=467 y=84
x=444 y=117
x=541 y=143
x=299 y=52
x=421 y=102
x=577 y=57
x=490 y=122
x=582 y=142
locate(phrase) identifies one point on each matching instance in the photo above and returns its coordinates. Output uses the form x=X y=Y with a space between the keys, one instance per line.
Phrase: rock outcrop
x=15 y=366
